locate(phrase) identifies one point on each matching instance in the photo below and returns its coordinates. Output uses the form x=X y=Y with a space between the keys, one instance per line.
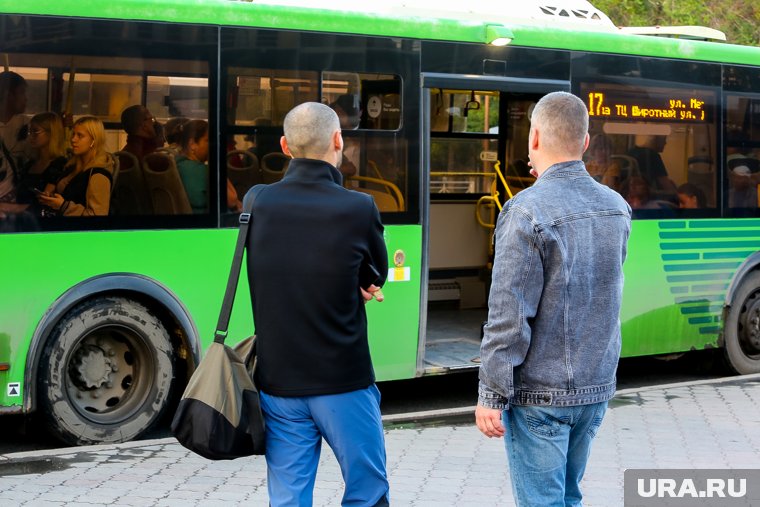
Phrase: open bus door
x=476 y=157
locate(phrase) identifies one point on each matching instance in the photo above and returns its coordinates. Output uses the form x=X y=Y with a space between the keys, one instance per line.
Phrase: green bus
x=103 y=319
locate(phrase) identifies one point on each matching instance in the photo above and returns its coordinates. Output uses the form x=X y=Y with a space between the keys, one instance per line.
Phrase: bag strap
x=237 y=260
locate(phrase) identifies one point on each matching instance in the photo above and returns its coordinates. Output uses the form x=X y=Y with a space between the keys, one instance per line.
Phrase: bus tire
x=106 y=373
x=742 y=327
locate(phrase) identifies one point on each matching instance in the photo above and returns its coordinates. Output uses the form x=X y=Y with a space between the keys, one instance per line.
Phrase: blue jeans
x=350 y=424
x=547 y=448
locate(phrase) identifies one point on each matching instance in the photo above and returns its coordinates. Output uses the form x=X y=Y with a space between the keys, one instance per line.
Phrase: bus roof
x=416 y=26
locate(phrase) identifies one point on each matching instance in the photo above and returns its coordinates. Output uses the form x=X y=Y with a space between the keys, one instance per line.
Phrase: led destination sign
x=649 y=107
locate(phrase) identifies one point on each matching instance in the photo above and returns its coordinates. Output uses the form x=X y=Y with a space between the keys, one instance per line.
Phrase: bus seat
x=243 y=170
x=383 y=200
x=273 y=166
x=165 y=188
x=129 y=195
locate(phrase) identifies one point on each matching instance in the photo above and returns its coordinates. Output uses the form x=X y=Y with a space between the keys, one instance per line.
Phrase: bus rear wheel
x=742 y=327
x=107 y=372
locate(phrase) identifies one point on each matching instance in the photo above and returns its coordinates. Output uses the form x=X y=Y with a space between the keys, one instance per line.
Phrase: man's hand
x=372 y=292
x=489 y=421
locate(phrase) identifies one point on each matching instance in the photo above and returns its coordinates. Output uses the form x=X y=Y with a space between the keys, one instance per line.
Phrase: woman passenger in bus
x=599 y=163
x=47 y=139
x=691 y=196
x=173 y=132
x=84 y=189
x=191 y=164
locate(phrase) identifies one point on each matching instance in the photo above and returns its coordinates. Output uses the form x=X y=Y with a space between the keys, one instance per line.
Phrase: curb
x=390 y=419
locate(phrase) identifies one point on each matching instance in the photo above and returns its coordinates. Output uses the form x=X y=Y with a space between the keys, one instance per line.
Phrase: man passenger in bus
x=647 y=153
x=552 y=341
x=743 y=178
x=144 y=134
x=13 y=132
x=349 y=113
x=313 y=249
x=84 y=189
x=599 y=162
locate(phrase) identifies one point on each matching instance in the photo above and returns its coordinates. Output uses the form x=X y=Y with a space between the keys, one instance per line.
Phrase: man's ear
x=533 y=138
x=284 y=146
x=585 y=143
x=338 y=140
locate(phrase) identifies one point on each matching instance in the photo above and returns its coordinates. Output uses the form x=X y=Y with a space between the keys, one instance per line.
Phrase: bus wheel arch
x=741 y=331
x=122 y=322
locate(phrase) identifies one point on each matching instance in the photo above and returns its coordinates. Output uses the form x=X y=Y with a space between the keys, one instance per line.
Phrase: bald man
x=316 y=254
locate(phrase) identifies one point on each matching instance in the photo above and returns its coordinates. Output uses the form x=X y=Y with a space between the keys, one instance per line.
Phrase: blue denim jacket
x=553 y=331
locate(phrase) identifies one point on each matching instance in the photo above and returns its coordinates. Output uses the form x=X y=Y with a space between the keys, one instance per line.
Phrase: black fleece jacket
x=310 y=241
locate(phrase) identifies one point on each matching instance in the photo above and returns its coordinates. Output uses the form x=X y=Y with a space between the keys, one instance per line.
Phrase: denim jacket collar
x=563 y=170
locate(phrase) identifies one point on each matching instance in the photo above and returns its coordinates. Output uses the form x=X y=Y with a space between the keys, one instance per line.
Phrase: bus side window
x=742 y=155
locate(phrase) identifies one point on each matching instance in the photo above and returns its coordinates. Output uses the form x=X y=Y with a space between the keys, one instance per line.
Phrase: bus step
x=444 y=290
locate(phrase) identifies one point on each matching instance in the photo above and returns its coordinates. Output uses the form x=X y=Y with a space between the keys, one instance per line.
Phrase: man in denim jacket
x=552 y=341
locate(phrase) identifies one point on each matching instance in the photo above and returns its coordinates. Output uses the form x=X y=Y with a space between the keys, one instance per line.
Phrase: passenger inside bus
x=691 y=196
x=743 y=178
x=636 y=191
x=191 y=164
x=144 y=133
x=647 y=153
x=48 y=143
x=13 y=131
x=84 y=189
x=173 y=133
x=599 y=162
x=349 y=113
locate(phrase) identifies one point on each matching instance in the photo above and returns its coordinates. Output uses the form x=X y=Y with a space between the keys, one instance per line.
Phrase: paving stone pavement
x=705 y=424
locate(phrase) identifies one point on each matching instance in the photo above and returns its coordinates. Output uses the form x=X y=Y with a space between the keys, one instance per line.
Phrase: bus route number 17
x=596 y=105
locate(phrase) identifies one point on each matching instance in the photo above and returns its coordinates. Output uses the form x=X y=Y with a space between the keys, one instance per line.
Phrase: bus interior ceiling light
x=497 y=35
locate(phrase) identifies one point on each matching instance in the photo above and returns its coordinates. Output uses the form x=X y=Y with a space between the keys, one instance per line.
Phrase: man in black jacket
x=314 y=249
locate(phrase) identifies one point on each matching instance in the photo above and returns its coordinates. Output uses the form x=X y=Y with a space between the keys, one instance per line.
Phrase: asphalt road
x=19 y=434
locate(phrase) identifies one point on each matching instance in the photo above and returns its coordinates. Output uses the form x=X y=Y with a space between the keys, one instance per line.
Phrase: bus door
x=476 y=155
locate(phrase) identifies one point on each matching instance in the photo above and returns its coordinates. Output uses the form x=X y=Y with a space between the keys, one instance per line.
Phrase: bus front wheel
x=106 y=373
x=742 y=327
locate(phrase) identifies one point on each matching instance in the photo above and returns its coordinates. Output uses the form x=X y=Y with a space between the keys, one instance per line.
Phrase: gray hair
x=563 y=121
x=309 y=128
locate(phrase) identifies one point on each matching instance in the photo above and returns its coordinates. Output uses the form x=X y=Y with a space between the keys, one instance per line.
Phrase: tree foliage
x=738 y=19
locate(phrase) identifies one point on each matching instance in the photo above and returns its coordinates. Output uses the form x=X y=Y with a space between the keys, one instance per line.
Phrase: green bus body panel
x=676 y=277
x=194 y=266
x=228 y=13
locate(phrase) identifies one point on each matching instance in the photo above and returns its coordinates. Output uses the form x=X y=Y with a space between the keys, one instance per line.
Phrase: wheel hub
x=92 y=367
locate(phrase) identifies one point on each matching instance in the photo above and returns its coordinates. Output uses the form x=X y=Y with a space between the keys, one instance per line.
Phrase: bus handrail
x=497 y=173
x=395 y=192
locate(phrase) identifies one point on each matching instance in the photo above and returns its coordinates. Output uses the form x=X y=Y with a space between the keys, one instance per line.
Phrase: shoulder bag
x=219 y=415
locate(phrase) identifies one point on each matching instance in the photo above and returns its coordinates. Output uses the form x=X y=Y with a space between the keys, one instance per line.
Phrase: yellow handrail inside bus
x=389 y=186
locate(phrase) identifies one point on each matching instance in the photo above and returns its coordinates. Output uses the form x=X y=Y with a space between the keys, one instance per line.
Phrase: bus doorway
x=478 y=155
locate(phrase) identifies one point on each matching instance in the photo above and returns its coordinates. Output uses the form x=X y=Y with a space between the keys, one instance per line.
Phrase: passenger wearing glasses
x=144 y=133
x=48 y=142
